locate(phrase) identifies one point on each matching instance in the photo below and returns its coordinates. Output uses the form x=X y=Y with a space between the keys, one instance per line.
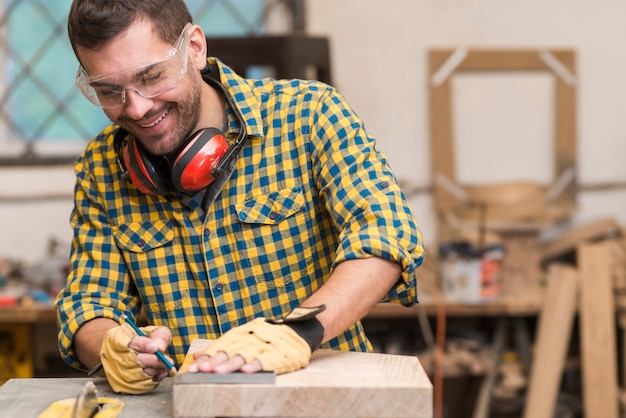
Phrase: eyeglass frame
x=180 y=46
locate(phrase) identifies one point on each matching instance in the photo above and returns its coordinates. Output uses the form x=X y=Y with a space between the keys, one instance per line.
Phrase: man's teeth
x=156 y=121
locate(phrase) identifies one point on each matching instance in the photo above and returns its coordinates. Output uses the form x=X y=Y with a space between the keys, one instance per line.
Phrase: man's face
x=160 y=123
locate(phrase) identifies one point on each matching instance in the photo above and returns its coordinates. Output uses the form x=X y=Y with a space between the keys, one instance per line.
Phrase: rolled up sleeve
x=362 y=194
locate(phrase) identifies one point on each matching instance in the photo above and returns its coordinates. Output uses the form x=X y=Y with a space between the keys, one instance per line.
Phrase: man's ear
x=197 y=47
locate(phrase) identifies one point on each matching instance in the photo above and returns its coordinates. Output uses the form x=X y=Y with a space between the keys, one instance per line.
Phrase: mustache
x=148 y=116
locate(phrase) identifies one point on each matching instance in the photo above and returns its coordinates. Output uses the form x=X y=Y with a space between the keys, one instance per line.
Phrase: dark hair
x=91 y=23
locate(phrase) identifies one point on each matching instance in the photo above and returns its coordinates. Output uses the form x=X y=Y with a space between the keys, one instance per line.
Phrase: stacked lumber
x=586 y=275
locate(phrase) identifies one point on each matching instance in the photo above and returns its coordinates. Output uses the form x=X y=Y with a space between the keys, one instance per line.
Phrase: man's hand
x=129 y=361
x=257 y=345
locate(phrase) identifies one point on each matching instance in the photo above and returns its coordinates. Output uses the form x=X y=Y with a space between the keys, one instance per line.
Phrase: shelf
x=511 y=305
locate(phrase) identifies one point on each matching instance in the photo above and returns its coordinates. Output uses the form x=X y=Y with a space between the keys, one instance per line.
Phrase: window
x=43 y=117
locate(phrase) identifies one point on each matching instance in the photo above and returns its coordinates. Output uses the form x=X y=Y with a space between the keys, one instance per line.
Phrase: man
x=300 y=222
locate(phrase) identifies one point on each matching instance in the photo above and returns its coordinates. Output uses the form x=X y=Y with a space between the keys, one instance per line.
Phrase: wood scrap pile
x=512 y=215
x=463 y=357
x=581 y=273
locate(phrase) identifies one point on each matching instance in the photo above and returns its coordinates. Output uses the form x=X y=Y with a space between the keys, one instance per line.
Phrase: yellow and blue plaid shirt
x=308 y=191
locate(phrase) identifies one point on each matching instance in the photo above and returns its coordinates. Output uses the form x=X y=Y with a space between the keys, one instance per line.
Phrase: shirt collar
x=243 y=97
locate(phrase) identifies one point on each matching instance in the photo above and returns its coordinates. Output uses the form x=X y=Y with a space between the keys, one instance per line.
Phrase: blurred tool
x=86 y=404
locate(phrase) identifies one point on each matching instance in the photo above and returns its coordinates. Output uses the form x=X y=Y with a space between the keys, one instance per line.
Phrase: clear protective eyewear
x=149 y=79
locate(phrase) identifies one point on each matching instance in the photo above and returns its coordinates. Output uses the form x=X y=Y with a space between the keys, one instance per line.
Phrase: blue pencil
x=139 y=332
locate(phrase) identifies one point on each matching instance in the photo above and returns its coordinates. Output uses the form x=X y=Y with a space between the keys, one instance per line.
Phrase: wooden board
x=598 y=331
x=568 y=241
x=552 y=342
x=335 y=384
x=512 y=305
x=522 y=264
x=33 y=314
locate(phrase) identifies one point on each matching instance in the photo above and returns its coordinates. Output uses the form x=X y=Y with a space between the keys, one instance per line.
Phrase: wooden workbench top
x=20 y=398
x=506 y=305
x=32 y=313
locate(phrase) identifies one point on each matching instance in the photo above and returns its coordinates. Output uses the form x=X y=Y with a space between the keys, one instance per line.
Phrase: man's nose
x=135 y=104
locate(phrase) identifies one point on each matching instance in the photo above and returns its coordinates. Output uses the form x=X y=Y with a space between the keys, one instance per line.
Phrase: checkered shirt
x=308 y=191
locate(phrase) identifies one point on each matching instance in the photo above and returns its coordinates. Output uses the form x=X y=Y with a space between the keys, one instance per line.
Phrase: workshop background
x=531 y=179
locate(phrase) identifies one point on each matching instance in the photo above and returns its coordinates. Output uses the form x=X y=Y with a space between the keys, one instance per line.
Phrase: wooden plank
x=565 y=129
x=505 y=59
x=598 y=331
x=619 y=282
x=502 y=60
x=513 y=305
x=441 y=133
x=483 y=403
x=552 y=341
x=619 y=265
x=621 y=320
x=568 y=241
x=33 y=314
x=335 y=384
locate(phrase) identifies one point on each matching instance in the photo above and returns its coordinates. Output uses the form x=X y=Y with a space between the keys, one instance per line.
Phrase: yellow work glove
x=124 y=373
x=281 y=346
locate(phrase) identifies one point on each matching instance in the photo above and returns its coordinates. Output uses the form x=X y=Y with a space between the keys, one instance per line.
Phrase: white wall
x=379 y=62
x=35 y=205
x=379 y=51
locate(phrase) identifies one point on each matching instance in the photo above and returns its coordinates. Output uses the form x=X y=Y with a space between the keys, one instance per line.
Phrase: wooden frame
x=444 y=63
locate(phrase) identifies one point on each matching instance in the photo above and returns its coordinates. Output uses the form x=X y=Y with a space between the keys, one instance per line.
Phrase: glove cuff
x=311 y=331
x=304 y=322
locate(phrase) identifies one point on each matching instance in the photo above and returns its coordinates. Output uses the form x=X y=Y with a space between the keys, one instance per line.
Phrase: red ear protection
x=191 y=169
x=202 y=157
x=143 y=169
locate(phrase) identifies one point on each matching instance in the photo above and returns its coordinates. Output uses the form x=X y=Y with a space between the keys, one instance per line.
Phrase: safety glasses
x=149 y=79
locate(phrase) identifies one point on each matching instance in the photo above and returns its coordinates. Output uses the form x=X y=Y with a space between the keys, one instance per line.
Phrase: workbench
x=20 y=398
x=27 y=338
x=32 y=314
x=505 y=305
x=33 y=328
x=411 y=393
x=14 y=398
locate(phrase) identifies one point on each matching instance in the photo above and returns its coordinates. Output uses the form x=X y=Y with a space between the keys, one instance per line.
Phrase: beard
x=187 y=114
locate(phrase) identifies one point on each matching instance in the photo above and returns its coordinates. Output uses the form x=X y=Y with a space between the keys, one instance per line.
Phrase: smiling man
x=258 y=213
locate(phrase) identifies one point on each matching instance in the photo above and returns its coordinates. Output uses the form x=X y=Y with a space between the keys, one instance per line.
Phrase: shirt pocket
x=275 y=228
x=139 y=237
x=153 y=263
x=272 y=208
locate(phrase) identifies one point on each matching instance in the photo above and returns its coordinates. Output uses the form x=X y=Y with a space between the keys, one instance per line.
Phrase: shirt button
x=384 y=184
x=219 y=287
x=273 y=215
x=207 y=233
x=141 y=242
